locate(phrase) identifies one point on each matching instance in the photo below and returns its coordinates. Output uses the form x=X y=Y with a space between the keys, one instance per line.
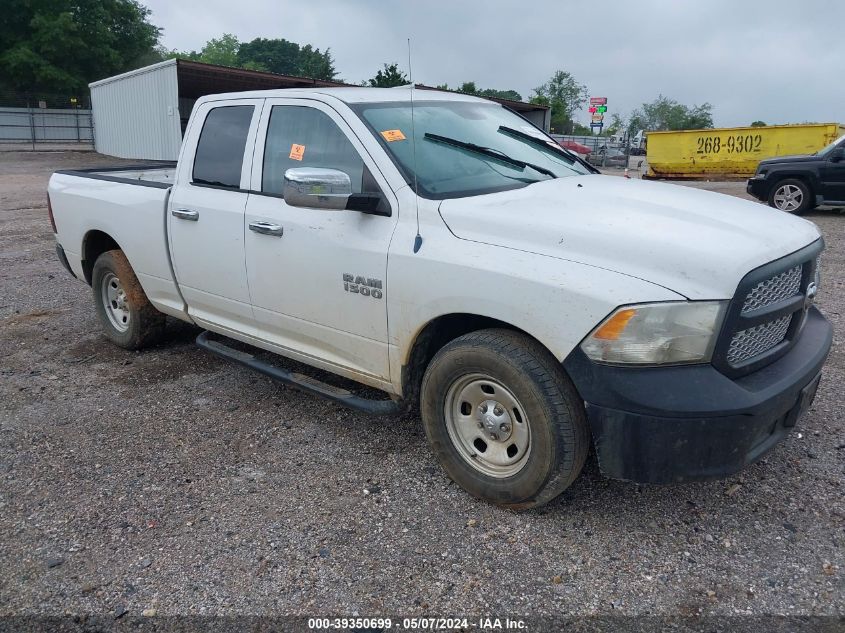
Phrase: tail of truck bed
x=97 y=210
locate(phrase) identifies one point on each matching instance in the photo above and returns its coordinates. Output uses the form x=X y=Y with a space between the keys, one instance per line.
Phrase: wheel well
x=95 y=244
x=779 y=178
x=437 y=333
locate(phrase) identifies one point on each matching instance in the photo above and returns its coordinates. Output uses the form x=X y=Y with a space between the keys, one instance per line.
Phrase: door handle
x=266 y=228
x=186 y=214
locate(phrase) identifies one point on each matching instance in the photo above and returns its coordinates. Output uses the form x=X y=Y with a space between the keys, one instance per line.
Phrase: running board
x=300 y=381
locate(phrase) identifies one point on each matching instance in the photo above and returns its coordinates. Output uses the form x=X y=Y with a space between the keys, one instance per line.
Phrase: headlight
x=657 y=334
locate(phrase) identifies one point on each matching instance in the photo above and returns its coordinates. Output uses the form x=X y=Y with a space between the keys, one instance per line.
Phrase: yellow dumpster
x=731 y=152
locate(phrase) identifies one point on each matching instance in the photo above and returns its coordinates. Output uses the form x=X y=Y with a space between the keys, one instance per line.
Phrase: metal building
x=136 y=114
x=142 y=114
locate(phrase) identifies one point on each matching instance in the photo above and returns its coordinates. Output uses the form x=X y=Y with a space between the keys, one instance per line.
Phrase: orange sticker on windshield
x=393 y=135
x=297 y=152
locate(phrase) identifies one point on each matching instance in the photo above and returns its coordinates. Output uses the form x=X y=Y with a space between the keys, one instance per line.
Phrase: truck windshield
x=840 y=142
x=466 y=148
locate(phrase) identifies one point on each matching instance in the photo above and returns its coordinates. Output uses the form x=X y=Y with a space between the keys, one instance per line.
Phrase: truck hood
x=696 y=243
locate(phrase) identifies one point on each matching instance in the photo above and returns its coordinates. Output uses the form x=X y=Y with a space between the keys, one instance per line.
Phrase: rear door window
x=220 y=150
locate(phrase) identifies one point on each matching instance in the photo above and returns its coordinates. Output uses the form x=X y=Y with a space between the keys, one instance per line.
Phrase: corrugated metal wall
x=136 y=115
x=540 y=118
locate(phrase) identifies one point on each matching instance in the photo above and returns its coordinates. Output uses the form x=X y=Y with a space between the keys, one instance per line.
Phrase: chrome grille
x=748 y=343
x=774 y=289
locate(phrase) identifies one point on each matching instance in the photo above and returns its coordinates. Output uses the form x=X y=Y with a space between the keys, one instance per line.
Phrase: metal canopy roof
x=518 y=106
x=197 y=79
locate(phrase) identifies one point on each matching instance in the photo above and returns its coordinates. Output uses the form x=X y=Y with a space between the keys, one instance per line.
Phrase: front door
x=318 y=278
x=832 y=175
x=206 y=214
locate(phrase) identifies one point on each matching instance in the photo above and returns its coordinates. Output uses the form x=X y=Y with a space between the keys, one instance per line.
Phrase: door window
x=301 y=136
x=220 y=151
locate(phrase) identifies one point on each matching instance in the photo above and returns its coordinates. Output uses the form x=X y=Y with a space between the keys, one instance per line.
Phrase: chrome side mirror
x=317 y=188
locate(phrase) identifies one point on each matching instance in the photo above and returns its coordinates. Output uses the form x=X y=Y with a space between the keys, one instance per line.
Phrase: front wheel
x=128 y=318
x=791 y=195
x=503 y=419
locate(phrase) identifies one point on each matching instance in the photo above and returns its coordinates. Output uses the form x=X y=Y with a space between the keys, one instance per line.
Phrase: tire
x=128 y=318
x=792 y=196
x=503 y=382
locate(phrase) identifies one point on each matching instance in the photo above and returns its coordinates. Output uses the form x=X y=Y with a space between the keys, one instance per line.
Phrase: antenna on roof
x=418 y=239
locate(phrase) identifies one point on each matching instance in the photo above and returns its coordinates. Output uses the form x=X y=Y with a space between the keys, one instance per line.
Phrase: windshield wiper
x=536 y=140
x=490 y=152
x=540 y=142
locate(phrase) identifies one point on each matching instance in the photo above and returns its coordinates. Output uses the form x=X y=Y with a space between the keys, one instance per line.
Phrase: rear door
x=206 y=215
x=318 y=284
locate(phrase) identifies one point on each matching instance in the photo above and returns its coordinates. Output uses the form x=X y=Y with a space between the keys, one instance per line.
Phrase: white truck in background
x=636 y=143
x=451 y=255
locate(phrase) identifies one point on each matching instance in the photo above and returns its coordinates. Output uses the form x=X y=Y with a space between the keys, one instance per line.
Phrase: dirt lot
x=171 y=480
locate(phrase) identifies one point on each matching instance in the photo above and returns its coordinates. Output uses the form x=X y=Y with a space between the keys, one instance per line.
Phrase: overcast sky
x=781 y=61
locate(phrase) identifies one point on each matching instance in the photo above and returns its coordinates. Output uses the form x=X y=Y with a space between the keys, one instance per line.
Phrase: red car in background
x=572 y=146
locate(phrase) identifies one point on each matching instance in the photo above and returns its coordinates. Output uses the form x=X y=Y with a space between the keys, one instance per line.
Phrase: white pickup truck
x=440 y=248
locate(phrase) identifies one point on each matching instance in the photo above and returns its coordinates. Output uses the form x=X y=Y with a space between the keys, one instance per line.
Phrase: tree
x=699 y=117
x=277 y=56
x=62 y=45
x=389 y=77
x=617 y=124
x=316 y=64
x=513 y=95
x=667 y=114
x=564 y=95
x=287 y=58
x=758 y=124
x=222 y=51
x=468 y=88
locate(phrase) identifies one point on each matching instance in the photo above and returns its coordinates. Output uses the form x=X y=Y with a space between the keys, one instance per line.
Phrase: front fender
x=558 y=302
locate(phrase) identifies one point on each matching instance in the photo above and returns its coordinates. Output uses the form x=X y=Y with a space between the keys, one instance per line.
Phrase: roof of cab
x=348 y=95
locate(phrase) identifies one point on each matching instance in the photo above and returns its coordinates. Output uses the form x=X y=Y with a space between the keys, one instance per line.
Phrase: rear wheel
x=791 y=196
x=503 y=419
x=128 y=318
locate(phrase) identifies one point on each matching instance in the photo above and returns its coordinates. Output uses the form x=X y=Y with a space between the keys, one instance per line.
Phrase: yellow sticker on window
x=393 y=135
x=297 y=152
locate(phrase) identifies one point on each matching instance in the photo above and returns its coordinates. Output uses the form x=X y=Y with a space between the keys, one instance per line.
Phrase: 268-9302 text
x=733 y=144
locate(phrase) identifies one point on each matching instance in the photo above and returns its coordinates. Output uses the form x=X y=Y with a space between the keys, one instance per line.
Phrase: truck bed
x=149 y=175
x=128 y=204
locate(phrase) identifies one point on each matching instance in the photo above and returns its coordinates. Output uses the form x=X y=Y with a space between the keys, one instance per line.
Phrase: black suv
x=796 y=184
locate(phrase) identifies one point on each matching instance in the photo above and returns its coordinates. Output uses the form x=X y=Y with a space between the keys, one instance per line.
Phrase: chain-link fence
x=606 y=151
x=38 y=120
x=583 y=144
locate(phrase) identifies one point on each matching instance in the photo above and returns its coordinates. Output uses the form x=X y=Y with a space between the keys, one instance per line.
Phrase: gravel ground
x=171 y=480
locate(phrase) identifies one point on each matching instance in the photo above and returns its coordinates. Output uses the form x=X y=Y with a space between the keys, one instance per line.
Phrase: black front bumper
x=757 y=188
x=667 y=424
